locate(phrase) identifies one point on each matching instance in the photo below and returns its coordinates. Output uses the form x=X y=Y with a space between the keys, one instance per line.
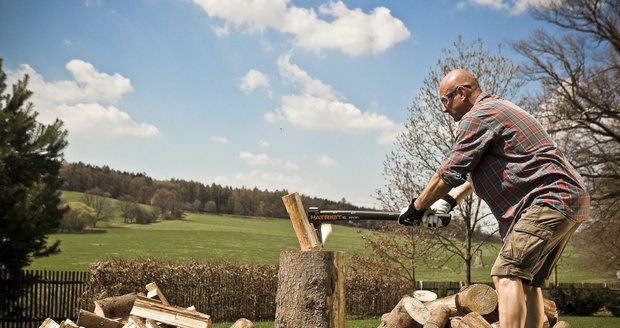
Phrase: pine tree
x=30 y=158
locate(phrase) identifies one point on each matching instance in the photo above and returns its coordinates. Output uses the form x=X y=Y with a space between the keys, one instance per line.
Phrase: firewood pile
x=140 y=311
x=473 y=307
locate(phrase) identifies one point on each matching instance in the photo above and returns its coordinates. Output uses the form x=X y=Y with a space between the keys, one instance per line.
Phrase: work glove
x=410 y=215
x=442 y=206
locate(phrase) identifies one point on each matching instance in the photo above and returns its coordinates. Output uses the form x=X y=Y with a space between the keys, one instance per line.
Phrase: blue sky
x=274 y=94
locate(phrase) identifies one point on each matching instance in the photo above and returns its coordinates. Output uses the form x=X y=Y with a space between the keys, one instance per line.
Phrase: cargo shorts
x=534 y=246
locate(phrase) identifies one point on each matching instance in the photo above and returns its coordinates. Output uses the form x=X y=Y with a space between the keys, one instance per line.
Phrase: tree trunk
x=310 y=290
x=402 y=315
x=439 y=317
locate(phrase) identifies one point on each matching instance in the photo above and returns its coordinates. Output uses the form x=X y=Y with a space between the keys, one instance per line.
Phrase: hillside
x=211 y=237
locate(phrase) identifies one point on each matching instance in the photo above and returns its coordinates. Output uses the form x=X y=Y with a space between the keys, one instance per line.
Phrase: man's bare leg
x=535 y=307
x=511 y=301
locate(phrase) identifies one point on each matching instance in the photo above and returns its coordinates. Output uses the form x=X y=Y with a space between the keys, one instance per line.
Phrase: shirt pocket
x=525 y=243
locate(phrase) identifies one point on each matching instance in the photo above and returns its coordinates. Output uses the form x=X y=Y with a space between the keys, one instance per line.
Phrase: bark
x=310 y=289
x=115 y=307
x=91 y=320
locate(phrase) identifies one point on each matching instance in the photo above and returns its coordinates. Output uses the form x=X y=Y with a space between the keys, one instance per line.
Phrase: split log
x=306 y=235
x=153 y=290
x=68 y=324
x=172 y=315
x=438 y=318
x=400 y=317
x=49 y=323
x=115 y=307
x=478 y=298
x=310 y=289
x=473 y=320
x=91 y=320
x=243 y=323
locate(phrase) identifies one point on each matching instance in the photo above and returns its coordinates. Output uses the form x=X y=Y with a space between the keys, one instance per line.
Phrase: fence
x=47 y=294
x=58 y=295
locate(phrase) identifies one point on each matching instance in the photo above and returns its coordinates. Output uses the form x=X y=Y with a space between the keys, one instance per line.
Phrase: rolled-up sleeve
x=473 y=137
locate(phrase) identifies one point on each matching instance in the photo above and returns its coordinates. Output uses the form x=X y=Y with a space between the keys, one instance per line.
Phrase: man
x=503 y=154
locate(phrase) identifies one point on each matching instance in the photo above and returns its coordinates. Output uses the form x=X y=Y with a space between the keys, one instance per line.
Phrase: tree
x=99 y=201
x=395 y=253
x=30 y=157
x=580 y=104
x=428 y=139
x=77 y=217
x=168 y=204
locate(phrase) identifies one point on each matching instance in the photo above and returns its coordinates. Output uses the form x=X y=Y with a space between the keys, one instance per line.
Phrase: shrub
x=583 y=301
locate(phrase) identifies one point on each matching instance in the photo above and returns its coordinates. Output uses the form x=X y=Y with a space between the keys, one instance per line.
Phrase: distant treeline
x=194 y=196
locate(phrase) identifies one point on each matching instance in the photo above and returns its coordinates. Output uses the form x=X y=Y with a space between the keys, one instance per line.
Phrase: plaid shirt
x=512 y=164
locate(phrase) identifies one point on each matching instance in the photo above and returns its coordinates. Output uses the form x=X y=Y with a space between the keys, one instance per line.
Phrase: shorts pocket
x=525 y=243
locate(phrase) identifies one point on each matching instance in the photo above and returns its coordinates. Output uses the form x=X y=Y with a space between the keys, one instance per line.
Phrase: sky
x=306 y=96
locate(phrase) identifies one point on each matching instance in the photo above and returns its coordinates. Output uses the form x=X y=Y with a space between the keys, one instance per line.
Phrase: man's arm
x=437 y=188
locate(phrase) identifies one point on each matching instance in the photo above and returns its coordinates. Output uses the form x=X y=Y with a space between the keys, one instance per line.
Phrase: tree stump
x=310 y=290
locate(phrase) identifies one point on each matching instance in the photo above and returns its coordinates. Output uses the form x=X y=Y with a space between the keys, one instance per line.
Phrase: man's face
x=453 y=101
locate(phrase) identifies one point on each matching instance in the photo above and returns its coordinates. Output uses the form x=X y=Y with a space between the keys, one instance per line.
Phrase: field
x=250 y=240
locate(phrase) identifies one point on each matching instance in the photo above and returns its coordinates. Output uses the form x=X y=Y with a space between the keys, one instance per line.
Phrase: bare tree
x=395 y=253
x=580 y=104
x=99 y=201
x=428 y=138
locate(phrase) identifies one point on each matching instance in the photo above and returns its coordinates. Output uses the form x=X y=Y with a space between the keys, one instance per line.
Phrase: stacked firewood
x=140 y=311
x=473 y=307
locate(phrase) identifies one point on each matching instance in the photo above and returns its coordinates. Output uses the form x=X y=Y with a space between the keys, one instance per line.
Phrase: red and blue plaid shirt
x=512 y=164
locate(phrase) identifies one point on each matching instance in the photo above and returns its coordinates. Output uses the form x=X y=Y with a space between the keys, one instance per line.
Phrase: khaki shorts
x=534 y=246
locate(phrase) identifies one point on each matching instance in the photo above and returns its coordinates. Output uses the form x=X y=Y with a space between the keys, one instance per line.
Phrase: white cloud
x=253 y=79
x=349 y=30
x=264 y=144
x=513 y=6
x=297 y=76
x=320 y=108
x=222 y=140
x=83 y=103
x=265 y=160
x=326 y=161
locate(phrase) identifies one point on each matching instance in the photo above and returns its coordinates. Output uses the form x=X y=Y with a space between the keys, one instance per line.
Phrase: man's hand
x=410 y=215
x=441 y=206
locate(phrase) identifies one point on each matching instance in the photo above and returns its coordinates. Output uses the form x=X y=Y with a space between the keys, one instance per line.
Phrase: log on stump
x=310 y=289
x=89 y=319
x=478 y=298
x=115 y=307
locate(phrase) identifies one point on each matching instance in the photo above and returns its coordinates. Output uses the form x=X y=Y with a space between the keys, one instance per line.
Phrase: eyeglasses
x=452 y=93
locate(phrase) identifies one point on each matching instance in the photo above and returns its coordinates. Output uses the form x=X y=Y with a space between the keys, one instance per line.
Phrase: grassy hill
x=250 y=240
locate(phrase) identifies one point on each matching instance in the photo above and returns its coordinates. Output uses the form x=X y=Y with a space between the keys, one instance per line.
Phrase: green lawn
x=250 y=240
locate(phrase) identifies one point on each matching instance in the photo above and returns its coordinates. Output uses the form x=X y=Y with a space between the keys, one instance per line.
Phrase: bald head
x=459 y=77
x=458 y=92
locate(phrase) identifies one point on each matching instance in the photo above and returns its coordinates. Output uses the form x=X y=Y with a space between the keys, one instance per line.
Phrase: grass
x=581 y=322
x=249 y=240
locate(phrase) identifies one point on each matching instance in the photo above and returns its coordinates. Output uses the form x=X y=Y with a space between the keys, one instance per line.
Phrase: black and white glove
x=410 y=215
x=442 y=206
